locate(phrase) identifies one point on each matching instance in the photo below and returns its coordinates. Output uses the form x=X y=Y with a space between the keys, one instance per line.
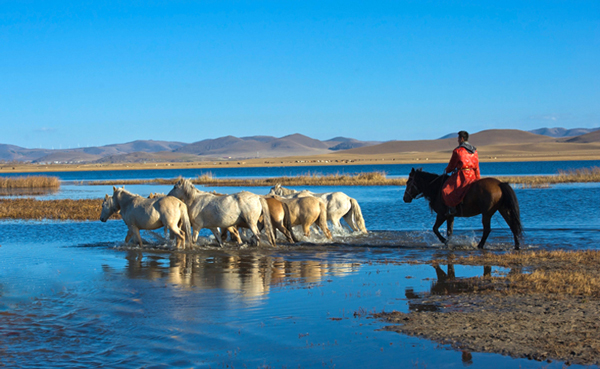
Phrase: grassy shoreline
x=360 y=179
x=376 y=178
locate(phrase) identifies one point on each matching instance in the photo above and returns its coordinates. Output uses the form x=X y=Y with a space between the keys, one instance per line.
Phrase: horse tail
x=186 y=226
x=287 y=220
x=510 y=203
x=357 y=215
x=267 y=220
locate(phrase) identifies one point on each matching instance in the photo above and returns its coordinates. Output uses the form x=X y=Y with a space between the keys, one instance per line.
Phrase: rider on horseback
x=464 y=166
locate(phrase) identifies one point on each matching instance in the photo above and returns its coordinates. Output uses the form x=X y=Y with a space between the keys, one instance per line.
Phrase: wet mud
x=478 y=315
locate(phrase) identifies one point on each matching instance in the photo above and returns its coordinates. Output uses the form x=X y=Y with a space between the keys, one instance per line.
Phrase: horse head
x=183 y=189
x=109 y=207
x=412 y=190
x=275 y=190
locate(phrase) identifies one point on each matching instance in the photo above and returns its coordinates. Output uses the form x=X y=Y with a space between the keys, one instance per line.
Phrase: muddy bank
x=538 y=314
x=519 y=326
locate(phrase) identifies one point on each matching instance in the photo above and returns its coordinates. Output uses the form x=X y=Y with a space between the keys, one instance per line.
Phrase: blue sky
x=100 y=72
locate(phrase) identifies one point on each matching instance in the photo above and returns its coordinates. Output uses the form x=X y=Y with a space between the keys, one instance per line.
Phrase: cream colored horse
x=142 y=213
x=207 y=210
x=339 y=205
x=306 y=211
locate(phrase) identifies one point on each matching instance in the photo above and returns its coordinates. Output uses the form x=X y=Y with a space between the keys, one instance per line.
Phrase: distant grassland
x=360 y=179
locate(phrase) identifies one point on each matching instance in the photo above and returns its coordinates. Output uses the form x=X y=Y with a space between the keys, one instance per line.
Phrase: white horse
x=142 y=213
x=339 y=205
x=207 y=210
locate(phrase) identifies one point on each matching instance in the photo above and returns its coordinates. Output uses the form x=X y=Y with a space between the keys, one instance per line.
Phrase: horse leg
x=136 y=233
x=233 y=231
x=450 y=228
x=285 y=232
x=217 y=235
x=439 y=220
x=178 y=233
x=306 y=229
x=128 y=237
x=351 y=222
x=486 y=220
x=322 y=223
x=336 y=223
x=256 y=231
x=507 y=218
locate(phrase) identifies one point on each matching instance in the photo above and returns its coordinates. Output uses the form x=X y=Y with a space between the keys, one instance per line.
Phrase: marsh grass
x=314 y=179
x=29 y=182
x=376 y=178
x=552 y=272
x=31 y=209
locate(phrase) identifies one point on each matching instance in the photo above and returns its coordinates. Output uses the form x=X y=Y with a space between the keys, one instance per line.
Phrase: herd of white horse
x=185 y=210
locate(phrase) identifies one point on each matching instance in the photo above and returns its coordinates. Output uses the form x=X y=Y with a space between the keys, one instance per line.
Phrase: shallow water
x=72 y=295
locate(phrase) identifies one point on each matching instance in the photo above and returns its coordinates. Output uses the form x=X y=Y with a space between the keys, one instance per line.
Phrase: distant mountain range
x=551 y=132
x=228 y=147
x=240 y=148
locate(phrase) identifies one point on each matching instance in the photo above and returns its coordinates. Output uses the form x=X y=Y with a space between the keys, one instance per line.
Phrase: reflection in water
x=28 y=191
x=445 y=284
x=249 y=274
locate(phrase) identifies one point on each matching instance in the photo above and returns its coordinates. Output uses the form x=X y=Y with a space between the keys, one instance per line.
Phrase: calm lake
x=72 y=295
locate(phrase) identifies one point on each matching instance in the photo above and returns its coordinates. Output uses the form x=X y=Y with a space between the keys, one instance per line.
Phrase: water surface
x=72 y=295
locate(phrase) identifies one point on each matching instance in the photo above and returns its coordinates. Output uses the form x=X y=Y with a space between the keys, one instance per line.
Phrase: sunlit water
x=72 y=295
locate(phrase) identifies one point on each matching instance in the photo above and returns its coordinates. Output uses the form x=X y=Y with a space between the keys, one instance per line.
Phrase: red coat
x=466 y=167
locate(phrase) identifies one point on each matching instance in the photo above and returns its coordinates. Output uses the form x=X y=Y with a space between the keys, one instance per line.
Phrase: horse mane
x=287 y=191
x=123 y=190
x=428 y=182
x=188 y=187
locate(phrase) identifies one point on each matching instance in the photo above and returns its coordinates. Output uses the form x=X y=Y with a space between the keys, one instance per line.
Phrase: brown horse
x=485 y=197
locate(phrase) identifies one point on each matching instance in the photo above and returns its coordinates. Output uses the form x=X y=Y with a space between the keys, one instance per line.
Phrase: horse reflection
x=445 y=284
x=248 y=274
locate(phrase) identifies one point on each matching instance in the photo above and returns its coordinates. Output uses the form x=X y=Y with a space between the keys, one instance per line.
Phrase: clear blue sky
x=99 y=72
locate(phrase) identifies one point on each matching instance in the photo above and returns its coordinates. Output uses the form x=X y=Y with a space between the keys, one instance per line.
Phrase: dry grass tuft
x=551 y=272
x=29 y=182
x=532 y=258
x=52 y=209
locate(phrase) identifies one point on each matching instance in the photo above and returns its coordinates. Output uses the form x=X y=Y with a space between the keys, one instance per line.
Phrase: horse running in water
x=306 y=211
x=142 y=213
x=339 y=205
x=207 y=210
x=485 y=196
x=280 y=219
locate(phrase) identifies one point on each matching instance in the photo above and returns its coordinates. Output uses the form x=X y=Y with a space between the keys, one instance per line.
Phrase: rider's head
x=463 y=136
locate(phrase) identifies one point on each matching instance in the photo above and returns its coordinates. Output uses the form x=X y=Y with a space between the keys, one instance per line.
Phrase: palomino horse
x=207 y=210
x=141 y=213
x=306 y=211
x=280 y=219
x=338 y=205
x=485 y=197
